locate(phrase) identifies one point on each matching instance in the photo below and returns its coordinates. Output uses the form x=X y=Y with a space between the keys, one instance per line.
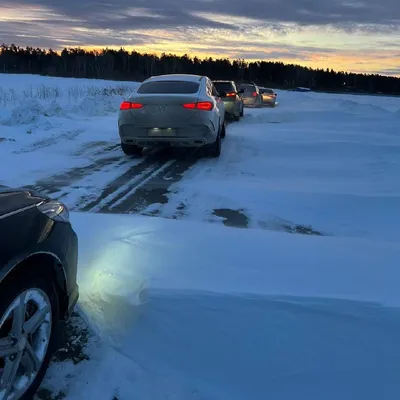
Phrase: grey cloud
x=274 y=51
x=233 y=46
x=346 y=14
x=271 y=55
x=385 y=27
x=55 y=35
x=28 y=41
x=392 y=44
x=111 y=20
x=118 y=21
x=99 y=14
x=390 y=72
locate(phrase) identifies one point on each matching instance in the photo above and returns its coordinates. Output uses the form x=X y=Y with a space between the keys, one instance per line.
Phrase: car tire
x=131 y=149
x=10 y=290
x=223 y=130
x=214 y=149
x=236 y=117
x=242 y=111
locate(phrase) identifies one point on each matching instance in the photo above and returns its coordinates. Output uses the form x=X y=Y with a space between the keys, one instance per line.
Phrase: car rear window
x=165 y=87
x=247 y=88
x=224 y=86
x=270 y=91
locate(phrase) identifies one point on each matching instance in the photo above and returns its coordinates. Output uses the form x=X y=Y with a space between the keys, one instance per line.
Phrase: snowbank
x=199 y=256
x=197 y=311
x=26 y=98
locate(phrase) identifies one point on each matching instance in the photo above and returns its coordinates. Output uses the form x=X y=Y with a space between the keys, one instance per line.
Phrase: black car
x=38 y=286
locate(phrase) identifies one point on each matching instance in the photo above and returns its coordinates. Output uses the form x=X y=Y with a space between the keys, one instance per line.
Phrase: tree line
x=123 y=65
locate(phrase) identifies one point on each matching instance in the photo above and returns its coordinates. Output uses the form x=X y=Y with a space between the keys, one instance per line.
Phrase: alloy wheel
x=25 y=331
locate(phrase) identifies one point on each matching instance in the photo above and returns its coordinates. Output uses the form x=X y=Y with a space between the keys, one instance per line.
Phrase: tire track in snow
x=127 y=183
x=142 y=185
x=53 y=140
x=56 y=183
x=152 y=191
x=95 y=147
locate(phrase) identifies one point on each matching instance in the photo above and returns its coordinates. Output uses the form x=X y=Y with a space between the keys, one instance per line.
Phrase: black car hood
x=12 y=199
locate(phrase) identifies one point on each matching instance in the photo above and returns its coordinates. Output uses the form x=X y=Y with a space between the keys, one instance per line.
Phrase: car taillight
x=231 y=94
x=127 y=105
x=190 y=106
x=254 y=94
x=201 y=105
x=205 y=105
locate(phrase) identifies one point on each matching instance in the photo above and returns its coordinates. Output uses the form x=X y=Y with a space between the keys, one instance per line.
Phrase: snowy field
x=301 y=302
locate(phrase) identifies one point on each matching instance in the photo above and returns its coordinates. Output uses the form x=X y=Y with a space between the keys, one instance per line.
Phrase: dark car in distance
x=38 y=286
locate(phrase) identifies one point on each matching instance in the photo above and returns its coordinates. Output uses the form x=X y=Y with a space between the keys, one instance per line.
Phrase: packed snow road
x=311 y=165
x=137 y=183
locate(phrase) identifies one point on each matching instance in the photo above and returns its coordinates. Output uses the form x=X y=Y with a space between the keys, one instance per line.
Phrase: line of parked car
x=245 y=94
x=181 y=110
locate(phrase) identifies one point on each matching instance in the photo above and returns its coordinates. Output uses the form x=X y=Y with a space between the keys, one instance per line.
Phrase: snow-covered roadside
x=190 y=310
x=330 y=162
x=50 y=125
x=321 y=163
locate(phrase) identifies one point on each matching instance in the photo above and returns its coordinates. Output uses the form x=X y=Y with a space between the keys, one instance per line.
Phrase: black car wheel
x=242 y=111
x=223 y=130
x=29 y=317
x=214 y=149
x=131 y=149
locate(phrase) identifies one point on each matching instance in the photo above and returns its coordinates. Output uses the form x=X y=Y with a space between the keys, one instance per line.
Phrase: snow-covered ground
x=190 y=310
x=303 y=302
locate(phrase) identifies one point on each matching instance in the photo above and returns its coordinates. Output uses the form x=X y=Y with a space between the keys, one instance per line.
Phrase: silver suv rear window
x=169 y=87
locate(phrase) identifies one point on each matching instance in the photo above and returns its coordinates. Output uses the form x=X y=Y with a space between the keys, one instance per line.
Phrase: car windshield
x=224 y=86
x=166 y=87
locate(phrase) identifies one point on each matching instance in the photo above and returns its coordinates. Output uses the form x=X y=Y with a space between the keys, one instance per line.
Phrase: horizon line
x=191 y=56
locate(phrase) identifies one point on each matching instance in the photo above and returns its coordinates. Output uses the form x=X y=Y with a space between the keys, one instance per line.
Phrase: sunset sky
x=352 y=35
